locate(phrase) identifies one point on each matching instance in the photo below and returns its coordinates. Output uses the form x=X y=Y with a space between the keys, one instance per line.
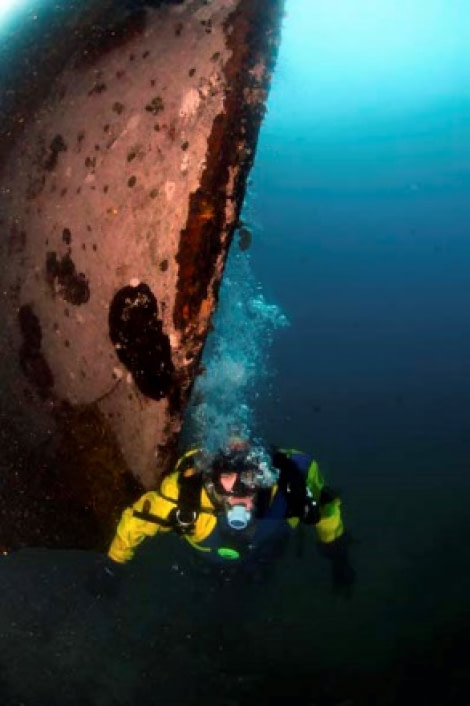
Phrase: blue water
x=360 y=211
x=360 y=214
x=344 y=330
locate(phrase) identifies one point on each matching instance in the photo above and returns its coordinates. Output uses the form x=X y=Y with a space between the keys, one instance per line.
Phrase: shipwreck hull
x=121 y=185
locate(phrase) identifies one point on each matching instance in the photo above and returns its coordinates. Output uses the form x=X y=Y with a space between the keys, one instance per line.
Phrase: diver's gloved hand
x=104 y=579
x=343 y=575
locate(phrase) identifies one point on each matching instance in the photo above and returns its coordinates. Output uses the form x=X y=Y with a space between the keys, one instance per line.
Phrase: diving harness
x=183 y=517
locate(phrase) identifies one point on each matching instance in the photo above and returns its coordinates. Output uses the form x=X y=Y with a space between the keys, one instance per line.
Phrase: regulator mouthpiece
x=238 y=517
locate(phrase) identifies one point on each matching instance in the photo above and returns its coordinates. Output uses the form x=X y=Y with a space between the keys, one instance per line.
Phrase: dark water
x=362 y=201
x=360 y=219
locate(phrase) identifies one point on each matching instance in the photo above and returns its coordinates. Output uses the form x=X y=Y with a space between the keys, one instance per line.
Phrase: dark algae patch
x=56 y=146
x=141 y=345
x=32 y=361
x=155 y=106
x=62 y=276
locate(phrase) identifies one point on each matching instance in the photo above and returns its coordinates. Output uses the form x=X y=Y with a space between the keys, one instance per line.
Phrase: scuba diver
x=235 y=507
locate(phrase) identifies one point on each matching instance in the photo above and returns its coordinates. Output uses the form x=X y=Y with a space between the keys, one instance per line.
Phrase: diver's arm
x=333 y=540
x=131 y=530
x=330 y=525
x=104 y=577
x=334 y=546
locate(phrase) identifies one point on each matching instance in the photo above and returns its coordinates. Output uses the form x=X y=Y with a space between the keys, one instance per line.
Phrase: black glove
x=342 y=573
x=105 y=578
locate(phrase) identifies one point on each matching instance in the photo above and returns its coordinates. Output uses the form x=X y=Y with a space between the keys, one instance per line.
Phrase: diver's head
x=236 y=475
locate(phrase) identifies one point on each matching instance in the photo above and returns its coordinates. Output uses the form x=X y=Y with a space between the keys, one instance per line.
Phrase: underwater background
x=343 y=330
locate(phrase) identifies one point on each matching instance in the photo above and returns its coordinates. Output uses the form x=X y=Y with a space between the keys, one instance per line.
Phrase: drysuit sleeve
x=330 y=525
x=131 y=530
x=333 y=541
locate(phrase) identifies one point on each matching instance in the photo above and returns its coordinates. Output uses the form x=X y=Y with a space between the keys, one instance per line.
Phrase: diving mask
x=252 y=466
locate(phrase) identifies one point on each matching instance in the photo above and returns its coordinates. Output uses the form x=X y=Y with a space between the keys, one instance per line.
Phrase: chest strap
x=182 y=518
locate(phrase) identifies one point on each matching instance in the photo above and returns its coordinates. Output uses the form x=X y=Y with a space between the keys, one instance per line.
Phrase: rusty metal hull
x=121 y=185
